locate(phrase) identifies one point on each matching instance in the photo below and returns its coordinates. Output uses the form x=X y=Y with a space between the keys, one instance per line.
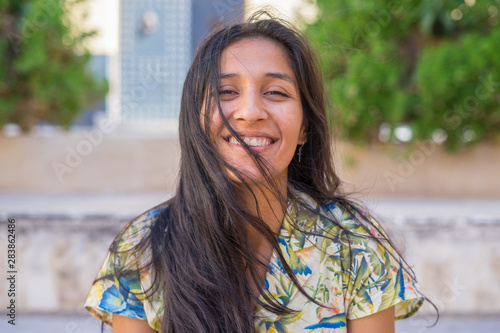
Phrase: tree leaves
x=46 y=76
x=422 y=63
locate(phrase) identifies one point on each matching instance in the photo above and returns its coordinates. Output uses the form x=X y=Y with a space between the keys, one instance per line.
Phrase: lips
x=252 y=141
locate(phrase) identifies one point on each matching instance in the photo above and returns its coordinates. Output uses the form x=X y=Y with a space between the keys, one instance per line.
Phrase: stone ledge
x=457 y=261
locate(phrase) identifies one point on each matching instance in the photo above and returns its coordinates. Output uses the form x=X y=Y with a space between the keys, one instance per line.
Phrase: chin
x=253 y=176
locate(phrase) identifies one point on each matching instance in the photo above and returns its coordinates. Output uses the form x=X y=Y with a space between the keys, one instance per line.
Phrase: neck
x=271 y=212
x=270 y=208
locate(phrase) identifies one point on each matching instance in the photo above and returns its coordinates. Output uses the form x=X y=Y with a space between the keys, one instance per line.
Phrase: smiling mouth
x=252 y=141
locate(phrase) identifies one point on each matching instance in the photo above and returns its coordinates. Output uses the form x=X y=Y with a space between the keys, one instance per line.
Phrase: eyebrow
x=280 y=76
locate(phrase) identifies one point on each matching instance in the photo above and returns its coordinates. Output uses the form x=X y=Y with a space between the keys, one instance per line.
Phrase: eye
x=226 y=92
x=226 y=95
x=277 y=93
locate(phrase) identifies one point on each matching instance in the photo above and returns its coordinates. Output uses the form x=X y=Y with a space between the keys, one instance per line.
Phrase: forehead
x=255 y=56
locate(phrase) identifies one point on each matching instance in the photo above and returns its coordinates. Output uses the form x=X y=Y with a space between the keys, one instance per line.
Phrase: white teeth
x=252 y=142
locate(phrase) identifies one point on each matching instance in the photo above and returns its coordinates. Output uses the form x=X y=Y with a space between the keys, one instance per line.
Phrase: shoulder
x=333 y=217
x=137 y=229
x=358 y=231
x=343 y=233
x=375 y=276
x=124 y=278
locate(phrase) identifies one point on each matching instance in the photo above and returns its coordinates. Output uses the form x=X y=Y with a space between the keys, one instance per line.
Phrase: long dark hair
x=201 y=258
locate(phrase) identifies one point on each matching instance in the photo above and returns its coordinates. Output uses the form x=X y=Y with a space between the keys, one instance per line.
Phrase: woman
x=258 y=237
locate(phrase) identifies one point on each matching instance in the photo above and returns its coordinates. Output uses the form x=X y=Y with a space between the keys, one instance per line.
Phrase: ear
x=302 y=136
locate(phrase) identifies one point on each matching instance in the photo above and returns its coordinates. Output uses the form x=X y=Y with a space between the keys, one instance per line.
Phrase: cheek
x=214 y=121
x=216 y=124
x=292 y=125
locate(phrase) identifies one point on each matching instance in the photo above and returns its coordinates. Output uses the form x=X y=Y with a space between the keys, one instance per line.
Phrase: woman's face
x=261 y=101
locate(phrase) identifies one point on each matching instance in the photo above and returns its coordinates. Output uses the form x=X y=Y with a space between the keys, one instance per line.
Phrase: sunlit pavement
x=87 y=324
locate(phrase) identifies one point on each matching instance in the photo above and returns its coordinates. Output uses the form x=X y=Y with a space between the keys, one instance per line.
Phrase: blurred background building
x=72 y=189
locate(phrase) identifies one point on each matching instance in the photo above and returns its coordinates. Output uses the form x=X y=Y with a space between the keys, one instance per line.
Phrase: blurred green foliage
x=431 y=64
x=44 y=72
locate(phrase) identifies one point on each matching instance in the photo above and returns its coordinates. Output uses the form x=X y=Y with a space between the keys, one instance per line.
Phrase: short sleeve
x=110 y=294
x=121 y=282
x=378 y=280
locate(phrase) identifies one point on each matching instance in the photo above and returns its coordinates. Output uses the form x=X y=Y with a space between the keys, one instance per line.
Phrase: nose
x=251 y=108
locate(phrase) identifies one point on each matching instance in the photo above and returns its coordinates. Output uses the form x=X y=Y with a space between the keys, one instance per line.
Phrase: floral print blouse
x=352 y=284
